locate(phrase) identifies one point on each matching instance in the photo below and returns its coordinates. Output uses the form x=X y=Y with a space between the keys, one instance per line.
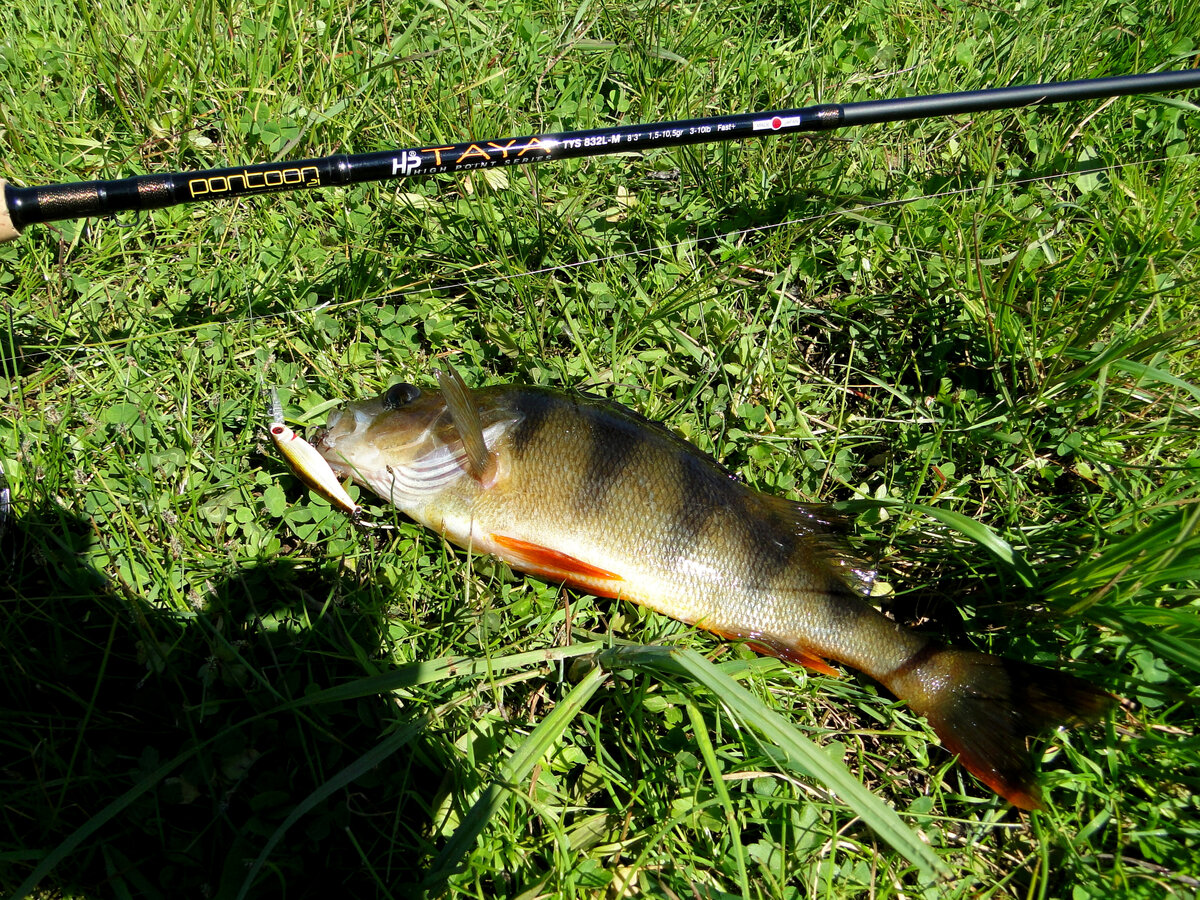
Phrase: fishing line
x=663 y=249
x=660 y=250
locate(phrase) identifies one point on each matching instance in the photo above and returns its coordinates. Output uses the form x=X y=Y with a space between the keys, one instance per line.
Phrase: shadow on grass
x=104 y=694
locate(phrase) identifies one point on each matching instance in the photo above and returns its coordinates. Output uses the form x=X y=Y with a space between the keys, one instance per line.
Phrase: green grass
x=980 y=335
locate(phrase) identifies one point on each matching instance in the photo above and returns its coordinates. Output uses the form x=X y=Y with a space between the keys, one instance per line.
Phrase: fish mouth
x=345 y=424
x=324 y=445
x=365 y=439
x=341 y=428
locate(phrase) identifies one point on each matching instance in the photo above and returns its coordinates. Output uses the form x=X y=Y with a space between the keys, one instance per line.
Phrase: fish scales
x=591 y=480
x=585 y=491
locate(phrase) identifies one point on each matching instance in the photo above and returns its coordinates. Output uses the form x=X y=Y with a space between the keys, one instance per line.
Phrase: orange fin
x=795 y=655
x=769 y=646
x=558 y=566
x=984 y=708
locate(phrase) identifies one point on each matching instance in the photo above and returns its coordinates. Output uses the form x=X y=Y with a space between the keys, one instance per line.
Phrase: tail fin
x=984 y=708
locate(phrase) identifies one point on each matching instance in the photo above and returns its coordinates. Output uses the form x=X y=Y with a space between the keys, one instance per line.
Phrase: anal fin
x=769 y=646
x=798 y=656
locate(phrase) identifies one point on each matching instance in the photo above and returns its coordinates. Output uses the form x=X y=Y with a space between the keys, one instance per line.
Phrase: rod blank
x=22 y=206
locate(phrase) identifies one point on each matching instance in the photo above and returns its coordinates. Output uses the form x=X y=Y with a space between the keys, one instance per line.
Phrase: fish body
x=584 y=491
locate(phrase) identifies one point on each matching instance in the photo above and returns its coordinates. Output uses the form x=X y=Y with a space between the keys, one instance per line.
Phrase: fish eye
x=399 y=395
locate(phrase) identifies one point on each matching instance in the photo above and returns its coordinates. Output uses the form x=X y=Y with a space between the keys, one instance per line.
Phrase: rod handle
x=8 y=231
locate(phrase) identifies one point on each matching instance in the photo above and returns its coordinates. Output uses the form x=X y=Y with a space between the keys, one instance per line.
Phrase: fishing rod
x=22 y=206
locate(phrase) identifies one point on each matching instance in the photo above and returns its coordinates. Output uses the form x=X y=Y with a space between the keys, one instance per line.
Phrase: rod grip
x=8 y=231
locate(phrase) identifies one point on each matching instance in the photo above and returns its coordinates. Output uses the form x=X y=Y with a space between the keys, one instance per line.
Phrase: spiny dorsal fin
x=465 y=416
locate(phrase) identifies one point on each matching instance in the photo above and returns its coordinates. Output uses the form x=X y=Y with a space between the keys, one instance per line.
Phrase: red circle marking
x=276 y=429
x=777 y=122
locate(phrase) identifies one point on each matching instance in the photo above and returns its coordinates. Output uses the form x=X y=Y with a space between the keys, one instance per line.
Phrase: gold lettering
x=245 y=181
x=503 y=148
x=473 y=150
x=437 y=152
x=534 y=144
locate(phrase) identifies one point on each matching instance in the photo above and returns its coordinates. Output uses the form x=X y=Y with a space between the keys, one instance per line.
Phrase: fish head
x=402 y=444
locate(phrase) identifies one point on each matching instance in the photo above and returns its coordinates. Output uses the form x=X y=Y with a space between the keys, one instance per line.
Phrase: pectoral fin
x=557 y=566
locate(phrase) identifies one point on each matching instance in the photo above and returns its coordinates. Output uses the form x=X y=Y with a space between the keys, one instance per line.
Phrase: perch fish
x=586 y=492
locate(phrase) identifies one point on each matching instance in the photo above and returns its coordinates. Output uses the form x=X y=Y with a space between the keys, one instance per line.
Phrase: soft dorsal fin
x=465 y=416
x=826 y=530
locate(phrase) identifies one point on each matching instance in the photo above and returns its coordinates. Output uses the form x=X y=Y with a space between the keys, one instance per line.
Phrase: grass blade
x=434 y=670
x=350 y=773
x=514 y=771
x=708 y=754
x=969 y=528
x=803 y=755
x=102 y=818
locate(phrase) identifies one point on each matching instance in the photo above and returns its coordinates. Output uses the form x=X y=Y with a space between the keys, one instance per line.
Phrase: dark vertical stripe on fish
x=535 y=408
x=778 y=544
x=700 y=499
x=769 y=547
x=612 y=448
x=917 y=660
x=770 y=558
